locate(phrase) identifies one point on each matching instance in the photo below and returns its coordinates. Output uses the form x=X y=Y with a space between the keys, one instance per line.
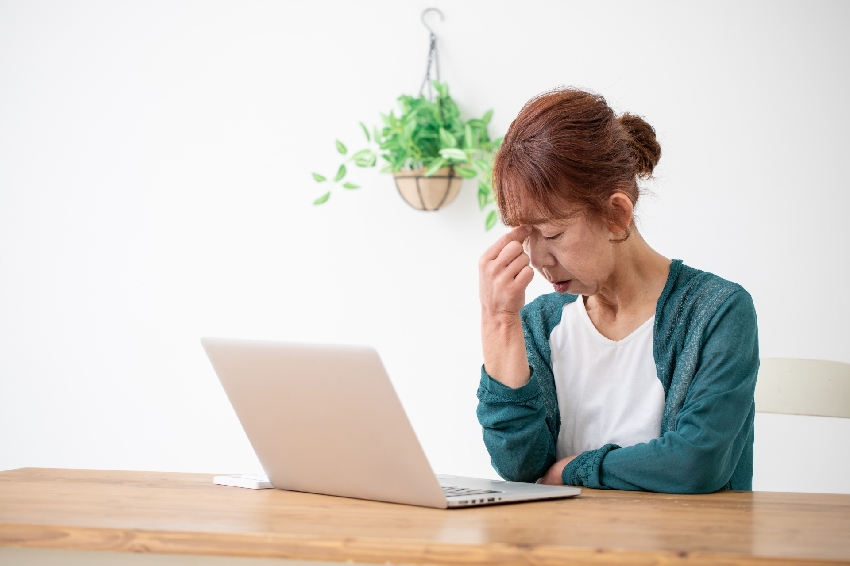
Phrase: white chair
x=803 y=387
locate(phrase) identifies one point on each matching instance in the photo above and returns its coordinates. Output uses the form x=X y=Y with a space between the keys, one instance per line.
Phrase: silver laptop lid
x=325 y=419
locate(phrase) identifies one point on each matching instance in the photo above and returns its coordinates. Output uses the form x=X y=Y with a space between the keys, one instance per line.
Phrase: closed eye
x=555 y=237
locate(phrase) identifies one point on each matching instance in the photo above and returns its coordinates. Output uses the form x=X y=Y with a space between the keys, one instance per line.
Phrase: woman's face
x=576 y=255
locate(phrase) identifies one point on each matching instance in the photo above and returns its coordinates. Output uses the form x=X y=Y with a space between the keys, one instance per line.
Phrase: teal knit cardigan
x=705 y=345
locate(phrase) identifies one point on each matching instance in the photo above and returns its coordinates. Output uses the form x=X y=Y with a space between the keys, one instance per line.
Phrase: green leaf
x=467 y=137
x=447 y=140
x=441 y=88
x=436 y=166
x=319 y=178
x=340 y=174
x=482 y=165
x=487 y=116
x=483 y=194
x=365 y=131
x=482 y=198
x=364 y=158
x=491 y=220
x=322 y=199
x=340 y=147
x=410 y=126
x=466 y=172
x=351 y=186
x=451 y=153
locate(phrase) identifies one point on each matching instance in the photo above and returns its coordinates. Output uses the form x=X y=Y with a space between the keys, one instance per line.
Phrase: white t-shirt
x=608 y=391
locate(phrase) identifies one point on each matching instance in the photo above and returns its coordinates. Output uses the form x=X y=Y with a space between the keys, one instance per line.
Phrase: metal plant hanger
x=433 y=57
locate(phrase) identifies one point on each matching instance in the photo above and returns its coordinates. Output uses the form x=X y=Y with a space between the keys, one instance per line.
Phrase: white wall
x=155 y=187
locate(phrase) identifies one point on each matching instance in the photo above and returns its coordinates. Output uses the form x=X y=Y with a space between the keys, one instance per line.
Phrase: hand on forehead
x=518 y=234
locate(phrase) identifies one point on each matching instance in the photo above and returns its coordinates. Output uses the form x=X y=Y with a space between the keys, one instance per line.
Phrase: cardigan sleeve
x=519 y=427
x=712 y=429
x=514 y=427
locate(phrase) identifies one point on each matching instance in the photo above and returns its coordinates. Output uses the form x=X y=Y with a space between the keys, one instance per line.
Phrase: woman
x=638 y=372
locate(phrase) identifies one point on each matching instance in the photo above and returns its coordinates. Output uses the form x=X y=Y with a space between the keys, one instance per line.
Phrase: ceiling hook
x=424 y=23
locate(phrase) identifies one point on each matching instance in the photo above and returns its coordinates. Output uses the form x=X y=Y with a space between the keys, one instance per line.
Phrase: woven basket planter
x=428 y=193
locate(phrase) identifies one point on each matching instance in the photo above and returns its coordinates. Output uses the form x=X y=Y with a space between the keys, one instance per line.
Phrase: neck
x=638 y=278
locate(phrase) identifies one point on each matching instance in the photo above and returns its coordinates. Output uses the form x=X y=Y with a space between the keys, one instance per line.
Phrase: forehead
x=550 y=219
x=553 y=218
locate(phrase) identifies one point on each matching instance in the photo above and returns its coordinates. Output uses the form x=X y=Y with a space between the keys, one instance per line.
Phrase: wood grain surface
x=188 y=514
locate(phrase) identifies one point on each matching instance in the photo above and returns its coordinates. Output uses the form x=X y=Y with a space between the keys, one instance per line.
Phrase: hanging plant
x=430 y=149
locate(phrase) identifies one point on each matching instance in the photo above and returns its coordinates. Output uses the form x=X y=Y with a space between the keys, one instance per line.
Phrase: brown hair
x=566 y=148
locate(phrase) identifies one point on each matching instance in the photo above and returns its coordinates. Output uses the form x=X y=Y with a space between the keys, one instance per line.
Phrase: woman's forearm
x=505 y=359
x=504 y=273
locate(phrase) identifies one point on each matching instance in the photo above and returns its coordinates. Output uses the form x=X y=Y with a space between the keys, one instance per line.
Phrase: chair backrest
x=803 y=387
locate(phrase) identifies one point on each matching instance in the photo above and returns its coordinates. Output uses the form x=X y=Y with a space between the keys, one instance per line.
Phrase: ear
x=622 y=211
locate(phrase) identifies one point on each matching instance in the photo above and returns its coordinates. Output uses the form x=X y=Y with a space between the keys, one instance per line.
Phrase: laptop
x=326 y=419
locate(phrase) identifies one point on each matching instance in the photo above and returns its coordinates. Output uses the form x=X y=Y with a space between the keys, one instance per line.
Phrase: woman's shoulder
x=693 y=292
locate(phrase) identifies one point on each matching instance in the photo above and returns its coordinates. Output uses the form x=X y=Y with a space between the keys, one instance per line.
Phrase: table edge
x=300 y=547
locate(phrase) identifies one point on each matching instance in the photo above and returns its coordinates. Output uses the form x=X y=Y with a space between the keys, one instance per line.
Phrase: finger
x=516 y=265
x=516 y=235
x=524 y=277
x=508 y=254
x=525 y=242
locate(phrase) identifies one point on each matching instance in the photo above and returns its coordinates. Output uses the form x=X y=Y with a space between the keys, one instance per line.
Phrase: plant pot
x=428 y=193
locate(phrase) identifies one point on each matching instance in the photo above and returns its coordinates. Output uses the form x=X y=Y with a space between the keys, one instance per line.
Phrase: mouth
x=562 y=286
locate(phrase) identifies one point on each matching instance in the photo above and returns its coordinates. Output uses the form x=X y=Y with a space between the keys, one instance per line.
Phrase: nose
x=535 y=247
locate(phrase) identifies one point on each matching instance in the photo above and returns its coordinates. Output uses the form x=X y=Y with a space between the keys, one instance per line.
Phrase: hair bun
x=645 y=147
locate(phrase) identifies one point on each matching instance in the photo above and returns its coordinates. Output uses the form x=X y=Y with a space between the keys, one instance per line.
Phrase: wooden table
x=185 y=514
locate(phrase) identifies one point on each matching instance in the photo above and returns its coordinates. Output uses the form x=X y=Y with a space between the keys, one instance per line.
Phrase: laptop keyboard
x=453 y=491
